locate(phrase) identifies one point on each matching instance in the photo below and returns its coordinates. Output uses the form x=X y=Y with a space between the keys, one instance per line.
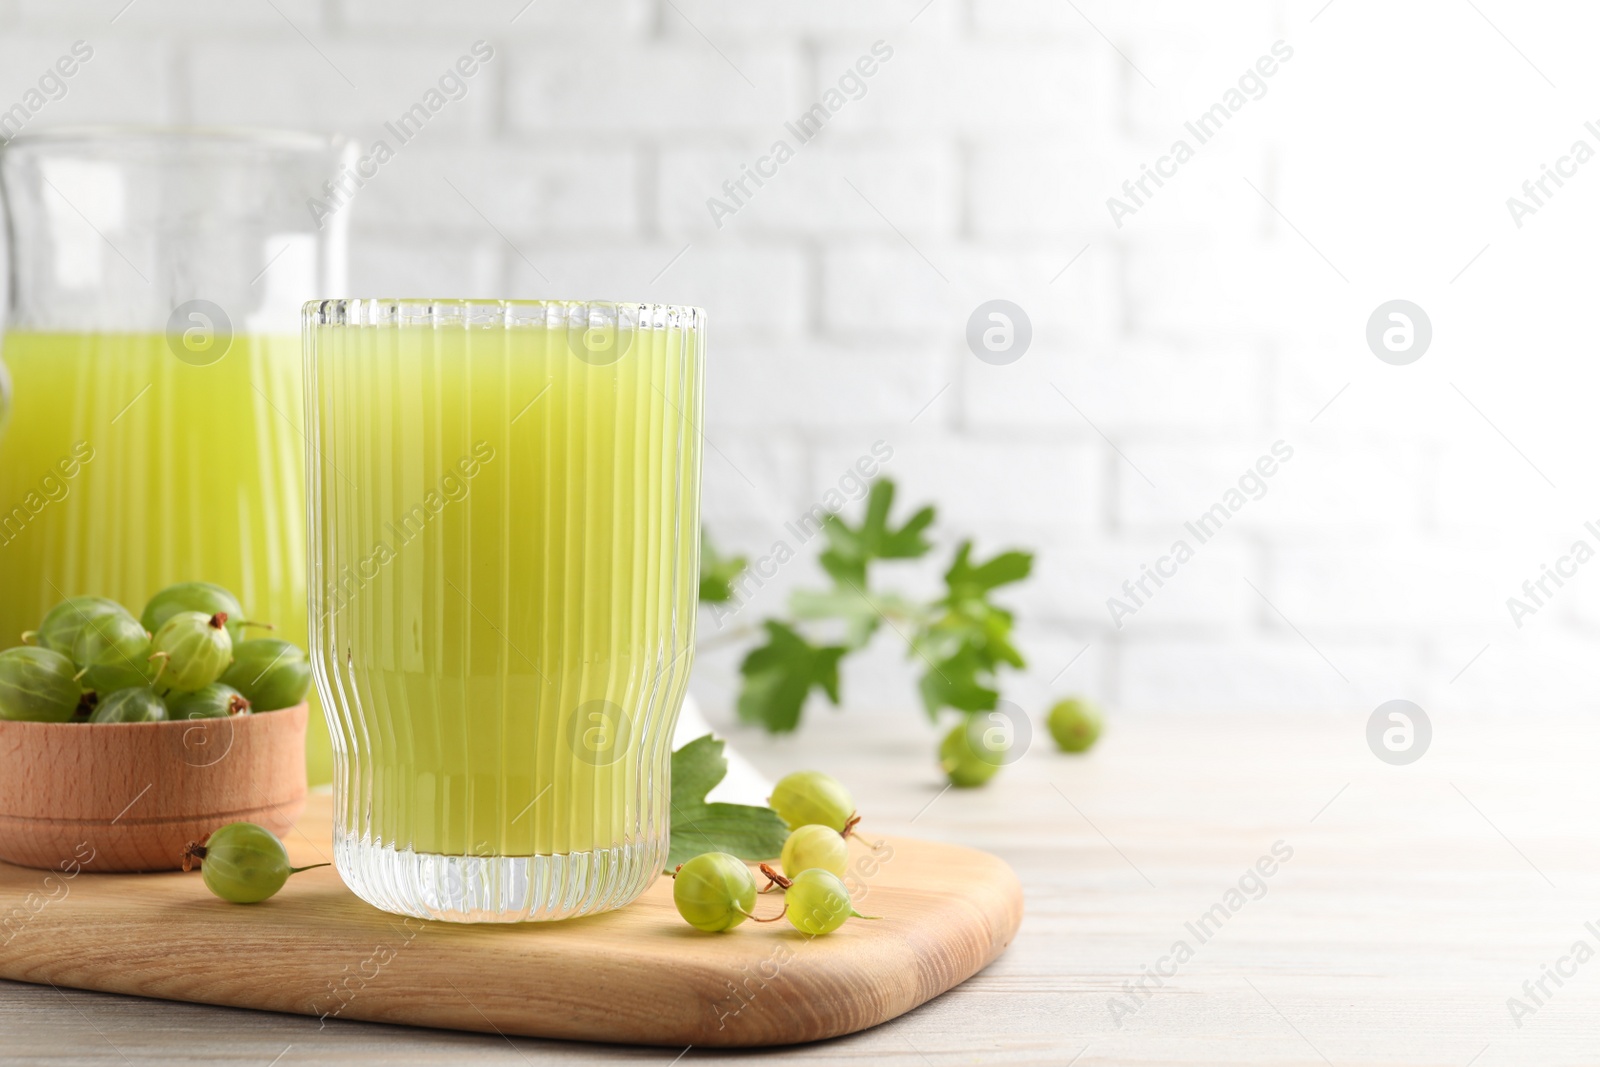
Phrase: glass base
x=496 y=889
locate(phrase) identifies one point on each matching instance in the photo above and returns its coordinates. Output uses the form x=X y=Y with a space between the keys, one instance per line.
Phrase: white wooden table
x=1417 y=900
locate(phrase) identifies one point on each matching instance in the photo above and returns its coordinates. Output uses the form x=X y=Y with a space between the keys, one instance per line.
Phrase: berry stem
x=850 y=832
x=195 y=851
x=165 y=658
x=314 y=866
x=756 y=919
x=774 y=879
x=219 y=620
x=243 y=623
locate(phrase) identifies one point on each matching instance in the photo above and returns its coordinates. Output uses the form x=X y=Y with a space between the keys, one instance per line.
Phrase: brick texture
x=972 y=159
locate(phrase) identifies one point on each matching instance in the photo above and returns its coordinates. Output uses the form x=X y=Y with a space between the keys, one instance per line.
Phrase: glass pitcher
x=155 y=278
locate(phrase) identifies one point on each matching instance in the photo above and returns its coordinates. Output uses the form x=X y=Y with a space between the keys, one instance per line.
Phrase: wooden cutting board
x=639 y=975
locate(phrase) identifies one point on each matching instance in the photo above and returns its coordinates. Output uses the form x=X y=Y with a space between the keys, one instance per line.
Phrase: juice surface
x=505 y=562
x=124 y=469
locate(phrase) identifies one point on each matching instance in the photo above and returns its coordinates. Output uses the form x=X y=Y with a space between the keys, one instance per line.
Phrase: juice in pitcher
x=152 y=344
x=125 y=469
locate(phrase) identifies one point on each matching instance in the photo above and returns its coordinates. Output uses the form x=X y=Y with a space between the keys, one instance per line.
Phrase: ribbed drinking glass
x=503 y=515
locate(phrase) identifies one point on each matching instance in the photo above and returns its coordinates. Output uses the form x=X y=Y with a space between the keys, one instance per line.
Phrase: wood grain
x=1415 y=905
x=638 y=975
x=131 y=796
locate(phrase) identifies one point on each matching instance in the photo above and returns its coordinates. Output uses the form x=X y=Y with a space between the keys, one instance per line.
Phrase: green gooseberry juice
x=504 y=515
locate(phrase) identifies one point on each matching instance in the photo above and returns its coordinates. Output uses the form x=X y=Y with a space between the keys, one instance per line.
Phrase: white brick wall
x=976 y=165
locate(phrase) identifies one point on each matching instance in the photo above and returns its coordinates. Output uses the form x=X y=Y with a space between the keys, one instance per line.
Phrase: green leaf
x=744 y=830
x=954 y=683
x=966 y=581
x=846 y=570
x=697 y=768
x=859 y=613
x=963 y=638
x=967 y=641
x=779 y=675
x=717 y=572
x=908 y=542
x=851 y=548
x=741 y=830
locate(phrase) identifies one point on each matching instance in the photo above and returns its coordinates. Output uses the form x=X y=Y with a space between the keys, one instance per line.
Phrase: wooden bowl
x=131 y=796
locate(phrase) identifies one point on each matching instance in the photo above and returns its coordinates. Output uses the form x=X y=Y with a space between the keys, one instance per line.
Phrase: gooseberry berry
x=204 y=597
x=37 y=685
x=113 y=652
x=817 y=902
x=214 y=701
x=964 y=758
x=1075 y=724
x=271 y=674
x=196 y=650
x=136 y=704
x=243 y=863
x=814 y=846
x=62 y=623
x=810 y=797
x=714 y=891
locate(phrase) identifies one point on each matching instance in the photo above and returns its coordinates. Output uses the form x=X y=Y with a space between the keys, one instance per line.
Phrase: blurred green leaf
x=717 y=572
x=954 y=683
x=964 y=580
x=851 y=548
x=962 y=638
x=969 y=637
x=779 y=676
x=858 y=612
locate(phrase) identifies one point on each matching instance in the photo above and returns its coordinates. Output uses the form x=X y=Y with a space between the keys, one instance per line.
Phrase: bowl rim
x=186 y=723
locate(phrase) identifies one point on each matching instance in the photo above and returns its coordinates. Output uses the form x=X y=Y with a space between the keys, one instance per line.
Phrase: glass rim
x=157 y=135
x=434 y=312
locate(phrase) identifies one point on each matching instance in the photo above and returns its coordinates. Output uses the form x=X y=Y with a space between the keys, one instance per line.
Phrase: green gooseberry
x=810 y=797
x=62 y=623
x=817 y=902
x=964 y=758
x=204 y=597
x=37 y=685
x=270 y=673
x=113 y=652
x=214 y=701
x=814 y=846
x=1075 y=724
x=195 y=649
x=137 y=704
x=242 y=863
x=714 y=891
